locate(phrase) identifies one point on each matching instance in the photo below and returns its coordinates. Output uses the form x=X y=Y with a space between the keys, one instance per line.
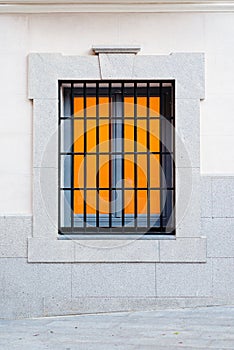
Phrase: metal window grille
x=116 y=151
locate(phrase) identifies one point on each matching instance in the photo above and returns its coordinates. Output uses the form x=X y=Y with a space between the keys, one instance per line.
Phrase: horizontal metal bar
x=116 y=118
x=107 y=153
x=117 y=188
x=114 y=81
x=119 y=230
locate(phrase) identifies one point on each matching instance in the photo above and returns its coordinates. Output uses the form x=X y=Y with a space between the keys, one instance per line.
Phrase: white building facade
x=49 y=44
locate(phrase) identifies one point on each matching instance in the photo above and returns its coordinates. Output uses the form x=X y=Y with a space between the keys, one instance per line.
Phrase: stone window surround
x=45 y=71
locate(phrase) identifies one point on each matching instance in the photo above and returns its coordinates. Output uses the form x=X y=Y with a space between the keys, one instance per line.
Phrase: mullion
x=97 y=154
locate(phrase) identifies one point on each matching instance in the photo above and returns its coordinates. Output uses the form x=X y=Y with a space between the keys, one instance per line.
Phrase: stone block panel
x=116 y=280
x=184 y=280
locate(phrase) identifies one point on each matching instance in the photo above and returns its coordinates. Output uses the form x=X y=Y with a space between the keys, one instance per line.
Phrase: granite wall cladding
x=43 y=289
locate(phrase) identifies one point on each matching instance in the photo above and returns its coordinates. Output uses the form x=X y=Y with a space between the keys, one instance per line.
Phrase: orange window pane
x=104 y=171
x=78 y=106
x=129 y=171
x=104 y=202
x=129 y=107
x=154 y=135
x=141 y=202
x=78 y=202
x=78 y=136
x=141 y=136
x=154 y=170
x=141 y=106
x=91 y=171
x=103 y=107
x=78 y=171
x=91 y=136
x=142 y=170
x=154 y=105
x=154 y=202
x=103 y=135
x=129 y=136
x=91 y=202
x=129 y=201
x=91 y=107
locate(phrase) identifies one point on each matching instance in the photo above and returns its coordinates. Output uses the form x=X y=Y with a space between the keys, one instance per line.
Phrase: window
x=116 y=171
x=177 y=80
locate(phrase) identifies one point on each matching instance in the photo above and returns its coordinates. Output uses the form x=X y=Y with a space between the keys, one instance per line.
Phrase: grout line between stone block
x=155 y=273
x=212 y=214
x=71 y=280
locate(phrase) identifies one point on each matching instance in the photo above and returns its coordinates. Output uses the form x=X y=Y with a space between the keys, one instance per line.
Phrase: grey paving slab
x=201 y=328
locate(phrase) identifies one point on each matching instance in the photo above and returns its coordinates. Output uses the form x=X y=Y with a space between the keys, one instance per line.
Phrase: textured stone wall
x=40 y=289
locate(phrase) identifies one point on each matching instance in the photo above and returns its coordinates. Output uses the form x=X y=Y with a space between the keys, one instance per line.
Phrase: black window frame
x=167 y=113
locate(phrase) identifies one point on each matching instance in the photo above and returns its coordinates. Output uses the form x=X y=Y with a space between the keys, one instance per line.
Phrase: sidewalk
x=201 y=328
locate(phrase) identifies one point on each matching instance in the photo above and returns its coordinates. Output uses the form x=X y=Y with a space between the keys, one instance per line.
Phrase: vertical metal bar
x=72 y=150
x=135 y=155
x=97 y=154
x=85 y=154
x=165 y=164
x=173 y=157
x=160 y=156
x=122 y=92
x=59 y=156
x=118 y=157
x=66 y=164
x=168 y=159
x=110 y=157
x=148 y=155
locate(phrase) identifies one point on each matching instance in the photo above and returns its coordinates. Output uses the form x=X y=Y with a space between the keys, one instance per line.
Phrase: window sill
x=186 y=250
x=111 y=237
